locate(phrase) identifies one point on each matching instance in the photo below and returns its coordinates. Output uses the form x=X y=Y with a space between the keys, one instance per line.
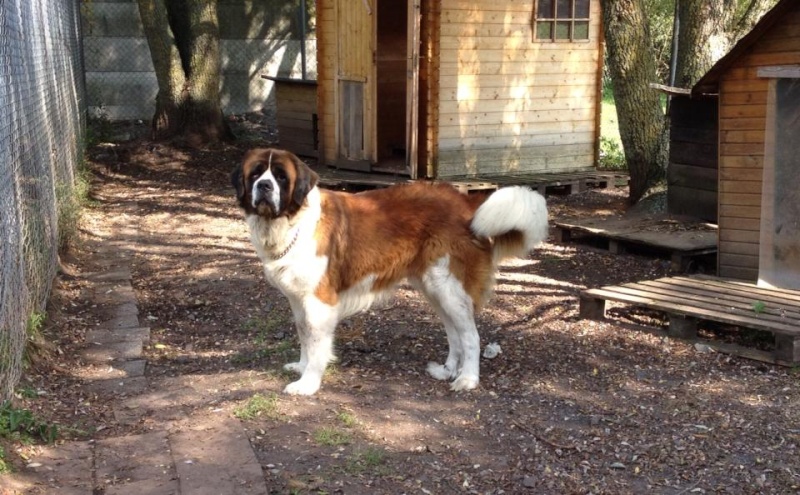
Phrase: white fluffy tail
x=515 y=218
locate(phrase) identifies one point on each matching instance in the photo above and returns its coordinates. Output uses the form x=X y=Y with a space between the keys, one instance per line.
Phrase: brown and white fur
x=332 y=254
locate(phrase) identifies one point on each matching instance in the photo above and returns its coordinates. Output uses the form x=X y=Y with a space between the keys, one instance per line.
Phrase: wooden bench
x=688 y=300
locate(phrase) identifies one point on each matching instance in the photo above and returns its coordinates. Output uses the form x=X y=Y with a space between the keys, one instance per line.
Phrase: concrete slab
x=121 y=321
x=119 y=387
x=217 y=459
x=112 y=293
x=66 y=468
x=126 y=463
x=103 y=353
x=109 y=275
x=116 y=335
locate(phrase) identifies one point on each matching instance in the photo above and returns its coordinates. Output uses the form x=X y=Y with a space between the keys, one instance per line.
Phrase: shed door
x=779 y=256
x=355 y=84
x=412 y=88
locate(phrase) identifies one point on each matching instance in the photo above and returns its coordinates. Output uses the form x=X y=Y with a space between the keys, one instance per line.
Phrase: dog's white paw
x=302 y=387
x=440 y=371
x=464 y=383
x=296 y=367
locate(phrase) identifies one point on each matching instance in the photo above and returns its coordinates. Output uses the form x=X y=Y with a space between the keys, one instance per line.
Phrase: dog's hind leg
x=452 y=365
x=447 y=295
x=320 y=324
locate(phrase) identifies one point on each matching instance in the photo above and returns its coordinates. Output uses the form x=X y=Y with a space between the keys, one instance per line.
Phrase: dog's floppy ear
x=237 y=181
x=304 y=181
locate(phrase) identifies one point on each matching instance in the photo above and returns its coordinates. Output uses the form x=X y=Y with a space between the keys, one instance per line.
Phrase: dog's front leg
x=302 y=335
x=320 y=324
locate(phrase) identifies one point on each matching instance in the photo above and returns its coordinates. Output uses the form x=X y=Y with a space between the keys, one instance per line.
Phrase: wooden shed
x=459 y=88
x=758 y=106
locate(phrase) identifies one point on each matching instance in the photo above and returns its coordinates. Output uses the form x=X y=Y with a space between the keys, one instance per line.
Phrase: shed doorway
x=378 y=85
x=779 y=259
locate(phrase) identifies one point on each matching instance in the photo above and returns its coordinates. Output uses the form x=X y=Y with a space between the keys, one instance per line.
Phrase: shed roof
x=709 y=83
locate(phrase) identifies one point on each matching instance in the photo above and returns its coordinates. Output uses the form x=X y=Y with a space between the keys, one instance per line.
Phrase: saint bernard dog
x=333 y=254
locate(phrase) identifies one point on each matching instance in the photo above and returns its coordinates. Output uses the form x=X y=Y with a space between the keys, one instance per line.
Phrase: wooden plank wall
x=692 y=172
x=508 y=103
x=326 y=77
x=296 y=110
x=742 y=123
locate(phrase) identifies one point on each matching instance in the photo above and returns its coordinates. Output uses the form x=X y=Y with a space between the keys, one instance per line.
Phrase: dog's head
x=272 y=182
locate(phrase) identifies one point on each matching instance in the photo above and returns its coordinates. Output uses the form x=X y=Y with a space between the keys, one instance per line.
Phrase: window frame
x=554 y=20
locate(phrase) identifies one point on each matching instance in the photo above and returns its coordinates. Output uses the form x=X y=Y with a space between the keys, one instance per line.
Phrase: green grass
x=609 y=125
x=331 y=437
x=611 y=153
x=258 y=406
x=371 y=460
x=347 y=418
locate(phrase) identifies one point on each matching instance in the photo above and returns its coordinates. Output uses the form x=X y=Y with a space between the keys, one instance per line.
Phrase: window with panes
x=561 y=20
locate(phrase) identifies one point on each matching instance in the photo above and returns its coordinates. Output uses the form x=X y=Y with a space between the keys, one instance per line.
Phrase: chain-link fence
x=270 y=37
x=41 y=126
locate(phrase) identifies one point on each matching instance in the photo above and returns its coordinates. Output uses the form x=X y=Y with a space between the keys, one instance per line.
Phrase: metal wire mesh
x=256 y=37
x=41 y=123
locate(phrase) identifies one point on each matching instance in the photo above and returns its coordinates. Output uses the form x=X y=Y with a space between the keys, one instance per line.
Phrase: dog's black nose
x=264 y=186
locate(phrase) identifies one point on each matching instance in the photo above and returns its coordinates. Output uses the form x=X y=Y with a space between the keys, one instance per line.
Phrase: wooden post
x=616 y=247
x=591 y=308
x=562 y=235
x=682 y=327
x=787 y=349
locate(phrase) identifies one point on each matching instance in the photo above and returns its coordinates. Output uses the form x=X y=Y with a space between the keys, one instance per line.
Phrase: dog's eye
x=279 y=174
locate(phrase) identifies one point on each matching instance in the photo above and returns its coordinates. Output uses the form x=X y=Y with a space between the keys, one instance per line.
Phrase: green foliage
x=70 y=201
x=21 y=424
x=611 y=155
x=331 y=437
x=5 y=468
x=98 y=130
x=35 y=323
x=759 y=307
x=258 y=406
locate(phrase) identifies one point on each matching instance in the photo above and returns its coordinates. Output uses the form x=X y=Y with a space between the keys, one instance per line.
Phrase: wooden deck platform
x=682 y=240
x=689 y=300
x=570 y=182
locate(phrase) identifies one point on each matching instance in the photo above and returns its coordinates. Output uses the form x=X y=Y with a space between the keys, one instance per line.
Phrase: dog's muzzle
x=265 y=193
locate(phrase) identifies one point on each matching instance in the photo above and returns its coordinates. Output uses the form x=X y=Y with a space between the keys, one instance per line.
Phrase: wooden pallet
x=688 y=300
x=569 y=182
x=467 y=187
x=682 y=245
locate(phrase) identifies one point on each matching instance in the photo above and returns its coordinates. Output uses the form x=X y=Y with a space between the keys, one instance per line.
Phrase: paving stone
x=104 y=353
x=119 y=386
x=145 y=487
x=122 y=321
x=120 y=274
x=126 y=463
x=116 y=369
x=64 y=469
x=107 y=293
x=114 y=335
x=217 y=460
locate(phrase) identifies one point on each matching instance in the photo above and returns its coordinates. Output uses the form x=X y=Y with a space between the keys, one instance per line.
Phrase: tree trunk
x=168 y=118
x=184 y=47
x=632 y=68
x=205 y=121
x=701 y=39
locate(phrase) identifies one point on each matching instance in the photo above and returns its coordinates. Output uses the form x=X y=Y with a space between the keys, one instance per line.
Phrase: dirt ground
x=568 y=406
